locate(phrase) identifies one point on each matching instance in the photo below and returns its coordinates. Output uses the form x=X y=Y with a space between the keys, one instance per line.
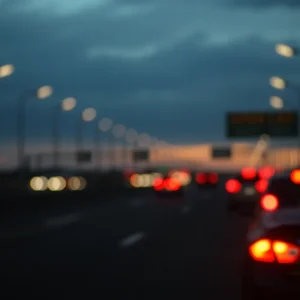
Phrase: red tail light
x=171 y=184
x=266 y=172
x=295 y=176
x=233 y=186
x=158 y=184
x=213 y=178
x=269 y=203
x=248 y=173
x=201 y=178
x=268 y=251
x=261 y=185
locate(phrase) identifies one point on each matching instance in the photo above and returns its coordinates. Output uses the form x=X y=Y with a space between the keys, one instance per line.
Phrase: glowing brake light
x=213 y=178
x=233 y=186
x=269 y=203
x=265 y=250
x=158 y=184
x=172 y=184
x=266 y=172
x=261 y=185
x=295 y=176
x=201 y=178
x=248 y=173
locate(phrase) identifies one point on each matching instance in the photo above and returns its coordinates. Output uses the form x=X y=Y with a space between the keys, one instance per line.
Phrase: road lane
x=152 y=247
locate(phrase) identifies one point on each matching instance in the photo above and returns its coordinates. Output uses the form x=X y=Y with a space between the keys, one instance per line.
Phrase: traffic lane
x=59 y=210
x=178 y=254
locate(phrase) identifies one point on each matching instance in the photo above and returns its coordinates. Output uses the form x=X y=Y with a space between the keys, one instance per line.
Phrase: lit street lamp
x=285 y=50
x=276 y=102
x=6 y=70
x=278 y=83
x=41 y=93
x=68 y=104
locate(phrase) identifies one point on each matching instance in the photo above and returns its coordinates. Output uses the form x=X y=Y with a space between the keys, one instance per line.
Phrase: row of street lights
x=282 y=84
x=118 y=131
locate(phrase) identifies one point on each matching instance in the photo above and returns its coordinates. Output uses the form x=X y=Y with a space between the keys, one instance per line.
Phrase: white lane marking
x=63 y=221
x=186 y=210
x=132 y=239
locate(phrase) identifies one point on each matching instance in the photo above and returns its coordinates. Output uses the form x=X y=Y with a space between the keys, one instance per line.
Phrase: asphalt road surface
x=137 y=247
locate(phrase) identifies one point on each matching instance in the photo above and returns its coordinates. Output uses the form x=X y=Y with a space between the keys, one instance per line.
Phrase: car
x=206 y=179
x=271 y=258
x=166 y=185
x=245 y=189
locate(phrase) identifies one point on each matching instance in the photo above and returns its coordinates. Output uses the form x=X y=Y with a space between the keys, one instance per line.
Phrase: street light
x=285 y=50
x=277 y=83
x=276 y=102
x=87 y=115
x=118 y=132
x=68 y=104
x=6 y=70
x=40 y=93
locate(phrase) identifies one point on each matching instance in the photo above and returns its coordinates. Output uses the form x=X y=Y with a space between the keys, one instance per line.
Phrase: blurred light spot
x=131 y=136
x=144 y=140
x=284 y=50
x=38 y=183
x=277 y=83
x=44 y=92
x=68 y=104
x=105 y=124
x=276 y=102
x=119 y=130
x=6 y=70
x=76 y=183
x=56 y=183
x=89 y=114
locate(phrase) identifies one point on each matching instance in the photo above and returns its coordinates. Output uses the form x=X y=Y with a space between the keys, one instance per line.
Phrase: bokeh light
x=118 y=130
x=68 y=104
x=44 y=92
x=56 y=183
x=6 y=70
x=144 y=140
x=38 y=183
x=105 y=124
x=277 y=83
x=131 y=136
x=285 y=50
x=276 y=102
x=89 y=114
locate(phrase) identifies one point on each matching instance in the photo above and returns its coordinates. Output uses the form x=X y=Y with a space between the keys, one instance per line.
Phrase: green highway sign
x=254 y=124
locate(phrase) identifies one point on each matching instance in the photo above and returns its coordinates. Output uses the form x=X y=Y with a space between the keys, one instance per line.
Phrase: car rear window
x=287 y=192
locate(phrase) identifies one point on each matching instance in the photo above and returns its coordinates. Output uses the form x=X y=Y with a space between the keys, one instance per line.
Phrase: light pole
x=68 y=104
x=41 y=93
x=105 y=125
x=118 y=131
x=131 y=137
x=281 y=84
x=87 y=115
x=6 y=70
x=144 y=141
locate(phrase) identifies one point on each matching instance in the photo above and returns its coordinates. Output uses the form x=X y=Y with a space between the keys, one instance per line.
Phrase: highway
x=136 y=247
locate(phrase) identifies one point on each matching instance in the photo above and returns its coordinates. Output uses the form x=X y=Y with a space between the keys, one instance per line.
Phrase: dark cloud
x=181 y=91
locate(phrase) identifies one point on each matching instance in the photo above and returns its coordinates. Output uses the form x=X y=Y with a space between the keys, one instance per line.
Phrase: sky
x=170 y=68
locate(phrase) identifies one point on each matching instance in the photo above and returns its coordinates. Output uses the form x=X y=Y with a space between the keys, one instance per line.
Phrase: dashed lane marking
x=63 y=221
x=132 y=239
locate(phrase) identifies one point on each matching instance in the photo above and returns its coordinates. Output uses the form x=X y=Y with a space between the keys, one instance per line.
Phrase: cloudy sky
x=170 y=68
